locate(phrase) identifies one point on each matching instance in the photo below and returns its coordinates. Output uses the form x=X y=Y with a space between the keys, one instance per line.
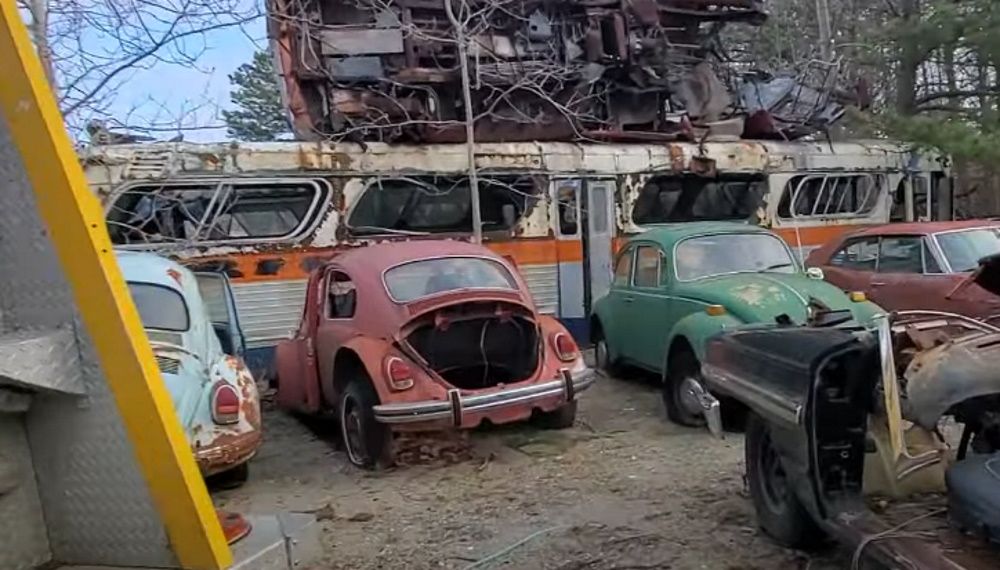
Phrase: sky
x=193 y=97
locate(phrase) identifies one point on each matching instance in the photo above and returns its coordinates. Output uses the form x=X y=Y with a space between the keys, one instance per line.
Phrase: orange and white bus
x=268 y=213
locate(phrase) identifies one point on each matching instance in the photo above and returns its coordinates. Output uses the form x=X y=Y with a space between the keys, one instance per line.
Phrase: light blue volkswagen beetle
x=190 y=319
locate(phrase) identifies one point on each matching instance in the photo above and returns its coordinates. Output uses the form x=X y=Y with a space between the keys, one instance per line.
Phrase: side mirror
x=815 y=273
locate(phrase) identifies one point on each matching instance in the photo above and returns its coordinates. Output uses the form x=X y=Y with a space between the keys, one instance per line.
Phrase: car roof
x=381 y=256
x=669 y=234
x=925 y=228
x=144 y=267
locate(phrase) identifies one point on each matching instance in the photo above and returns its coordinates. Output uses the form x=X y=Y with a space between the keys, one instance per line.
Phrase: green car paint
x=643 y=320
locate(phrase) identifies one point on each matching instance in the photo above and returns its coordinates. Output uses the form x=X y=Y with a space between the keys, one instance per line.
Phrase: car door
x=336 y=325
x=649 y=310
x=217 y=295
x=908 y=276
x=852 y=266
x=615 y=316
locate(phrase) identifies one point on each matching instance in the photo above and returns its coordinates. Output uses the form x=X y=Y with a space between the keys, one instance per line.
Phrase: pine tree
x=259 y=113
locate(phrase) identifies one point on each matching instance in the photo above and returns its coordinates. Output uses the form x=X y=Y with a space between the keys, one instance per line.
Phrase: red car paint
x=935 y=288
x=307 y=364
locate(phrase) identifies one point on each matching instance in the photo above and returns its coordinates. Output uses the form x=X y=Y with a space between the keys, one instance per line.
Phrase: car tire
x=231 y=478
x=367 y=442
x=683 y=364
x=602 y=355
x=779 y=512
x=560 y=418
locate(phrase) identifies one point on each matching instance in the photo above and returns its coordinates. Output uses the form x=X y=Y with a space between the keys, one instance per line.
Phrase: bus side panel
x=537 y=261
x=269 y=289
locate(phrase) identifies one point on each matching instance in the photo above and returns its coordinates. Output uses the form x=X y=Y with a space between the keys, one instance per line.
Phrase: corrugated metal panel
x=269 y=310
x=543 y=281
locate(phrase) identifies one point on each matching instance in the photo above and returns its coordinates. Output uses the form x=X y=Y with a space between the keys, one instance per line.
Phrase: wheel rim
x=350 y=424
x=601 y=354
x=774 y=481
x=687 y=398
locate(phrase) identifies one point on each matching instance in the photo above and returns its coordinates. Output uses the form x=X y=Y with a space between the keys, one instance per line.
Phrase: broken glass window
x=430 y=204
x=689 y=198
x=819 y=195
x=214 y=211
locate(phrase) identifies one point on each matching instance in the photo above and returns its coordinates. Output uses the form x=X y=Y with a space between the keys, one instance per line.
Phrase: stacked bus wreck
x=641 y=70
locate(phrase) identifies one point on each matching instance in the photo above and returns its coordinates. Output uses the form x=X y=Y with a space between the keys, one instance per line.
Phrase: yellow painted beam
x=76 y=226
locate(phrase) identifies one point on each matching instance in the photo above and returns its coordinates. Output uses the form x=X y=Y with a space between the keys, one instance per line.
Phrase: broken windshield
x=686 y=199
x=429 y=204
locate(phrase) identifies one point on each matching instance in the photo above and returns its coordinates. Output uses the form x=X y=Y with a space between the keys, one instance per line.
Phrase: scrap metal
x=389 y=70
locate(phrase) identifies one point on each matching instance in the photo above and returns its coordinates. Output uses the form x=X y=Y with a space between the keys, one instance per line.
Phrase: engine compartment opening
x=475 y=346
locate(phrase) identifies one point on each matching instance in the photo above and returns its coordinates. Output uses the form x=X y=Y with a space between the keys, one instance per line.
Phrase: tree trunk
x=39 y=27
x=909 y=61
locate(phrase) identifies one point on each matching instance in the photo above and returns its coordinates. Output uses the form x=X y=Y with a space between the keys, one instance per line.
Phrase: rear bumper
x=457 y=407
x=226 y=452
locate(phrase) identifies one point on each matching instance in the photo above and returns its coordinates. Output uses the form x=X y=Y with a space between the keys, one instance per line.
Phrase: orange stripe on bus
x=816 y=235
x=540 y=252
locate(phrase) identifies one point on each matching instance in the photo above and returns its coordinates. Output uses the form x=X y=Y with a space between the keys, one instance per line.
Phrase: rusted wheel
x=367 y=442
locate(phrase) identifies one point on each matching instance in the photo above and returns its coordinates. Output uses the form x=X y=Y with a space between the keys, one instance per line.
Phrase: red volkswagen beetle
x=424 y=335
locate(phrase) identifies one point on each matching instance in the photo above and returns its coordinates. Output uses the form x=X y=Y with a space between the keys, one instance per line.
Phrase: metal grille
x=168 y=365
x=269 y=310
x=543 y=282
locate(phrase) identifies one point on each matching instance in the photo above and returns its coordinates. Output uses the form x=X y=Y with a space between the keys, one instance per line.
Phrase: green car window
x=723 y=254
x=647 y=267
x=623 y=269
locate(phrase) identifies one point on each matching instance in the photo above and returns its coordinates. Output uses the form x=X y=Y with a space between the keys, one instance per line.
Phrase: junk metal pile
x=390 y=70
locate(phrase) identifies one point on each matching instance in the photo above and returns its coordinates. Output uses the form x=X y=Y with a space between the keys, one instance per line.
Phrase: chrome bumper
x=457 y=405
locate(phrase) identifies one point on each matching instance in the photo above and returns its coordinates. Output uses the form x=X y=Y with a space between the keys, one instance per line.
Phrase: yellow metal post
x=76 y=227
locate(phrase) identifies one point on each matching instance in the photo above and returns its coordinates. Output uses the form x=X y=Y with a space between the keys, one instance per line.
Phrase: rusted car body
x=425 y=335
x=644 y=70
x=849 y=436
x=934 y=266
x=190 y=320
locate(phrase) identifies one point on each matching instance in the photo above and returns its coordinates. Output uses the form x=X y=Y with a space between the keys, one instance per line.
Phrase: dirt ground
x=623 y=489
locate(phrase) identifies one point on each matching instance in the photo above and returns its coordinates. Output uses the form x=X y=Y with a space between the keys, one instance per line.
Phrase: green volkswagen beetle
x=675 y=286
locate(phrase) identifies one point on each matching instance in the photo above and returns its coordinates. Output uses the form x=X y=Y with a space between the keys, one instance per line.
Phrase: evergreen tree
x=259 y=113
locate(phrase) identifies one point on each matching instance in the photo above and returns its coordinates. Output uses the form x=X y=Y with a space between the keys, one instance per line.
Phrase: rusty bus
x=267 y=213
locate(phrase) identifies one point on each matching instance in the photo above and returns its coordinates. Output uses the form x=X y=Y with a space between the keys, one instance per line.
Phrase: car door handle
x=629 y=299
x=878 y=284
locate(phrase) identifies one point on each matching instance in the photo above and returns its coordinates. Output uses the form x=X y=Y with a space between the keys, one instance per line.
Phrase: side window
x=568 y=206
x=623 y=269
x=826 y=195
x=216 y=211
x=341 y=296
x=930 y=263
x=901 y=254
x=647 y=267
x=859 y=255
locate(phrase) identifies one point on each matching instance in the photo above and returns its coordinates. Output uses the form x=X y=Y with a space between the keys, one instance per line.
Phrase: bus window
x=429 y=204
x=689 y=199
x=822 y=195
x=214 y=212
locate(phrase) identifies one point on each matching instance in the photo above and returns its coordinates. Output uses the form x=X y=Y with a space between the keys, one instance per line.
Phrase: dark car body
x=425 y=335
x=918 y=266
x=826 y=432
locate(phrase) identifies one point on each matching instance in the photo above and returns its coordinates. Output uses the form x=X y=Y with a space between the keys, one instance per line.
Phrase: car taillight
x=565 y=347
x=399 y=373
x=225 y=404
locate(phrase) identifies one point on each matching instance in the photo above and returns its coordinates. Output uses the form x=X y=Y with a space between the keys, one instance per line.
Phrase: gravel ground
x=623 y=489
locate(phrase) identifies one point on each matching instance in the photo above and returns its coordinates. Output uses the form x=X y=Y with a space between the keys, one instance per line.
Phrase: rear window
x=159 y=307
x=418 y=279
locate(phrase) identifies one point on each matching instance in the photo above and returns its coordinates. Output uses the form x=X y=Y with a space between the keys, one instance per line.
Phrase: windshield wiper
x=776 y=266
